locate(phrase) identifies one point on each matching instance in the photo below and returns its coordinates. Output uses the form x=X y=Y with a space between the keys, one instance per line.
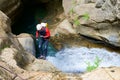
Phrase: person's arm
x=37 y=34
x=47 y=33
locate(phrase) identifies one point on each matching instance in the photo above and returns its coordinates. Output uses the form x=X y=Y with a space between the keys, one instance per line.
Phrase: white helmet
x=38 y=27
x=43 y=24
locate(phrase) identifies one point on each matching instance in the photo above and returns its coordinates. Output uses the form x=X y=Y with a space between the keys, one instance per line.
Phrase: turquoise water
x=30 y=17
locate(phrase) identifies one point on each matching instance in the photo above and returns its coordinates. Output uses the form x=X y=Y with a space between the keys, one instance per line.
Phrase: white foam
x=74 y=59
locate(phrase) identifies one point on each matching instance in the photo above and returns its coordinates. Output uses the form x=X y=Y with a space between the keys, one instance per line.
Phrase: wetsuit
x=44 y=35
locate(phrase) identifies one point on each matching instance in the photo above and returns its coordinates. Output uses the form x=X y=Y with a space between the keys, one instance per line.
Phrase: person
x=44 y=34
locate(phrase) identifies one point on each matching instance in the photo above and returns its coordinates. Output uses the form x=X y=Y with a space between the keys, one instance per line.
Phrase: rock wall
x=12 y=8
x=27 y=41
x=15 y=62
x=98 y=19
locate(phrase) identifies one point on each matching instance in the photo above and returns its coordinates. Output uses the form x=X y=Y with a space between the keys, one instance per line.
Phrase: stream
x=75 y=60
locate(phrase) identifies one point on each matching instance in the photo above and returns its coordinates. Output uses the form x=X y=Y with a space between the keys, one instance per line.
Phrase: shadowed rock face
x=11 y=8
x=35 y=1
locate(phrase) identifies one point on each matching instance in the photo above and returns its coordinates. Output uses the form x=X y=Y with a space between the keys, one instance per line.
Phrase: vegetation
x=76 y=21
x=96 y=64
x=71 y=11
x=86 y=16
x=4 y=46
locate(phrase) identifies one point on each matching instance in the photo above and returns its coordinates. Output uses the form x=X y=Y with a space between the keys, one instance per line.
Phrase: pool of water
x=75 y=60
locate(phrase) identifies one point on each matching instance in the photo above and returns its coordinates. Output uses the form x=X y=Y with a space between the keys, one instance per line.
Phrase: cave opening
x=30 y=16
x=34 y=12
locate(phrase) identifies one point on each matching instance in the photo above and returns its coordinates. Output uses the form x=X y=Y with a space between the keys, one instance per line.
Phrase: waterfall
x=74 y=60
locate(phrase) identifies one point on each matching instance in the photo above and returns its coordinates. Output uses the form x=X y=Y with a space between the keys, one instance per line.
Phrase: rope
x=16 y=75
x=18 y=37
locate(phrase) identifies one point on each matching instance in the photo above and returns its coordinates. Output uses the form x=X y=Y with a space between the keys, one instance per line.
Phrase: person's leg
x=40 y=47
x=45 y=48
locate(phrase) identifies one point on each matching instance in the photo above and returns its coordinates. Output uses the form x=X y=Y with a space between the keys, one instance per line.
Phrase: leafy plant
x=71 y=11
x=86 y=16
x=76 y=21
x=91 y=67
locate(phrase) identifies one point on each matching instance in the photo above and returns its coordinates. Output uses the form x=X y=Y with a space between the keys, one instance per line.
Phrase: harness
x=43 y=31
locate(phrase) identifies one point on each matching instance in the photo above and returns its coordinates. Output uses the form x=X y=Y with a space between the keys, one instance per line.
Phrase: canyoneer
x=43 y=33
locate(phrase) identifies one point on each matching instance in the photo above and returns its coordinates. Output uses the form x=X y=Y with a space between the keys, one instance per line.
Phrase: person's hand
x=37 y=39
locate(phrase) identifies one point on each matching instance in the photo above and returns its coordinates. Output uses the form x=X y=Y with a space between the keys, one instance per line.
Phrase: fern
x=94 y=66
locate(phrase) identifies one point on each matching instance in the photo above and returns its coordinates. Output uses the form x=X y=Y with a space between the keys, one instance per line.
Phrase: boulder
x=64 y=28
x=27 y=42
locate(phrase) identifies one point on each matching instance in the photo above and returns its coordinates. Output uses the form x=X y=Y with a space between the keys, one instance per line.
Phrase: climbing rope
x=16 y=75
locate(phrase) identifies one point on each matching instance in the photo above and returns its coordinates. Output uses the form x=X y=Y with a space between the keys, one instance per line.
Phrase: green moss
x=4 y=46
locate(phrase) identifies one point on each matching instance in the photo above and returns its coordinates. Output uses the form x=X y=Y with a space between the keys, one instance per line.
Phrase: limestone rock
x=7 y=55
x=10 y=7
x=65 y=28
x=96 y=18
x=41 y=65
x=103 y=74
x=27 y=42
x=4 y=29
x=4 y=22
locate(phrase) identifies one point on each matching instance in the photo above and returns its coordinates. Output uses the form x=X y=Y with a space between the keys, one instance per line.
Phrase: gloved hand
x=37 y=39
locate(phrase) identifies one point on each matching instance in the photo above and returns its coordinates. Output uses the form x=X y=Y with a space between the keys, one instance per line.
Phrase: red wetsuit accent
x=47 y=33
